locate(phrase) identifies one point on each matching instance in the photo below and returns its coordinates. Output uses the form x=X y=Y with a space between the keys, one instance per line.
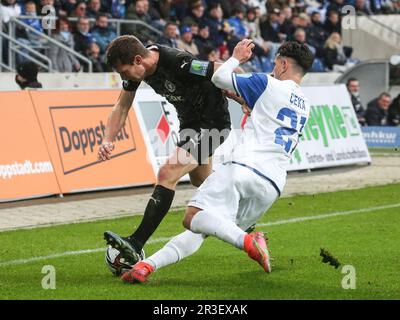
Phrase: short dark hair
x=170 y=23
x=101 y=15
x=350 y=80
x=299 y=53
x=384 y=94
x=123 y=50
x=28 y=70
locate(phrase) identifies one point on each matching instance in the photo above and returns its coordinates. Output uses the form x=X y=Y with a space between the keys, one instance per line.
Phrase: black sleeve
x=190 y=68
x=129 y=85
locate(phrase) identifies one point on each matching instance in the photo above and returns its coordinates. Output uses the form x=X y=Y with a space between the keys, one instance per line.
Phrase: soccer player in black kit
x=204 y=123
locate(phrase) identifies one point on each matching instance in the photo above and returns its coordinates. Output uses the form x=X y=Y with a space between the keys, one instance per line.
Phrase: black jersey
x=186 y=83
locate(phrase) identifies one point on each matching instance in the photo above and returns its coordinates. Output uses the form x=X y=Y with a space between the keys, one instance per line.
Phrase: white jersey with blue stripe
x=271 y=133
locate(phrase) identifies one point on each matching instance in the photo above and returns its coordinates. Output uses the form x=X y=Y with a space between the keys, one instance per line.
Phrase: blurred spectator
x=94 y=8
x=118 y=9
x=68 y=6
x=353 y=87
x=44 y=5
x=336 y=55
x=29 y=37
x=26 y=76
x=195 y=29
x=157 y=21
x=362 y=8
x=332 y=22
x=394 y=112
x=261 y=5
x=139 y=11
x=336 y=5
x=218 y=29
x=80 y=10
x=170 y=35
x=196 y=14
x=203 y=41
x=82 y=37
x=316 y=34
x=223 y=52
x=9 y=9
x=164 y=8
x=102 y=33
x=304 y=21
x=271 y=29
x=62 y=60
x=252 y=24
x=378 y=110
x=94 y=56
x=226 y=6
x=301 y=37
x=186 y=41
x=31 y=11
x=236 y=21
x=286 y=20
x=179 y=10
x=211 y=54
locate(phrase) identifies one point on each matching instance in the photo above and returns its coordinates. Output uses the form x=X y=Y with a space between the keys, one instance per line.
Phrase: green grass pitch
x=365 y=238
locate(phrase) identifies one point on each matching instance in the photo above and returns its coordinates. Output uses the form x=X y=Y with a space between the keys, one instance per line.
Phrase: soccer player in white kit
x=235 y=196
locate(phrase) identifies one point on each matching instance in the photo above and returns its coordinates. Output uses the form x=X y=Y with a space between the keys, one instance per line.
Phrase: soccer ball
x=115 y=262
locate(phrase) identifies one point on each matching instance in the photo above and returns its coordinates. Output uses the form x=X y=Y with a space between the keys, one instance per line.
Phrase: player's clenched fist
x=105 y=151
x=243 y=50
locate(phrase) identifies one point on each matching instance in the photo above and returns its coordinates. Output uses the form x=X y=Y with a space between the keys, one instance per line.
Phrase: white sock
x=215 y=225
x=178 y=248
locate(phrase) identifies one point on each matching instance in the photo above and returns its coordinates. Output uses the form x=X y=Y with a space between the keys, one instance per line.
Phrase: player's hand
x=246 y=109
x=243 y=50
x=105 y=151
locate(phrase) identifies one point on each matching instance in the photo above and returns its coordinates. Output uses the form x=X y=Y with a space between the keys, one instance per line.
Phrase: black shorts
x=201 y=143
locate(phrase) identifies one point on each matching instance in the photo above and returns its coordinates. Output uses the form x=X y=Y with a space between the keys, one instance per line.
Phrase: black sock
x=156 y=209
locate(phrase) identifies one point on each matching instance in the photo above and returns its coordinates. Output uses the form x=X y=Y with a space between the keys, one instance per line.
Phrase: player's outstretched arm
x=115 y=122
x=222 y=77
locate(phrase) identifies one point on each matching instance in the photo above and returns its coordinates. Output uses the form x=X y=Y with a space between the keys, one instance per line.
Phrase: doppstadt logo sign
x=80 y=130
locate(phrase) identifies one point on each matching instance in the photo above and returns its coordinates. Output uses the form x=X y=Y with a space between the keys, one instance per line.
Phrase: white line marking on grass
x=164 y=239
x=68 y=253
x=329 y=215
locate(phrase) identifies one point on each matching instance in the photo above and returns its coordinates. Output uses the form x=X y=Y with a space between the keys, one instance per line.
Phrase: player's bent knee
x=167 y=175
x=186 y=221
x=190 y=213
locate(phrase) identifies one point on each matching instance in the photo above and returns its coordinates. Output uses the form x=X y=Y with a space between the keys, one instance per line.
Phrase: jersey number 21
x=282 y=132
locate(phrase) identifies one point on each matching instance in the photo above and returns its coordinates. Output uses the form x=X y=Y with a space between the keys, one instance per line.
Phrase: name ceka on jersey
x=297 y=101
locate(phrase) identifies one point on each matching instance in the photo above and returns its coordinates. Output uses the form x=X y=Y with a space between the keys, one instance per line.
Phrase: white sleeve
x=222 y=78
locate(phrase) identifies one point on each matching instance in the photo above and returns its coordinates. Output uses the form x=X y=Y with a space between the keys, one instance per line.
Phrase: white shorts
x=237 y=193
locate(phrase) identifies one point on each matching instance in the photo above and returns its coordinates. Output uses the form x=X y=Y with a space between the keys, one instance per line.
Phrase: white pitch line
x=329 y=215
x=164 y=239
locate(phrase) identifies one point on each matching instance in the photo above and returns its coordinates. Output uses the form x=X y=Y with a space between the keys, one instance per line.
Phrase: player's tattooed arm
x=116 y=121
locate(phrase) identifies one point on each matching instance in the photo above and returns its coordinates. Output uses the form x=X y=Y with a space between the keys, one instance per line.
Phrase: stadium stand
x=317 y=23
